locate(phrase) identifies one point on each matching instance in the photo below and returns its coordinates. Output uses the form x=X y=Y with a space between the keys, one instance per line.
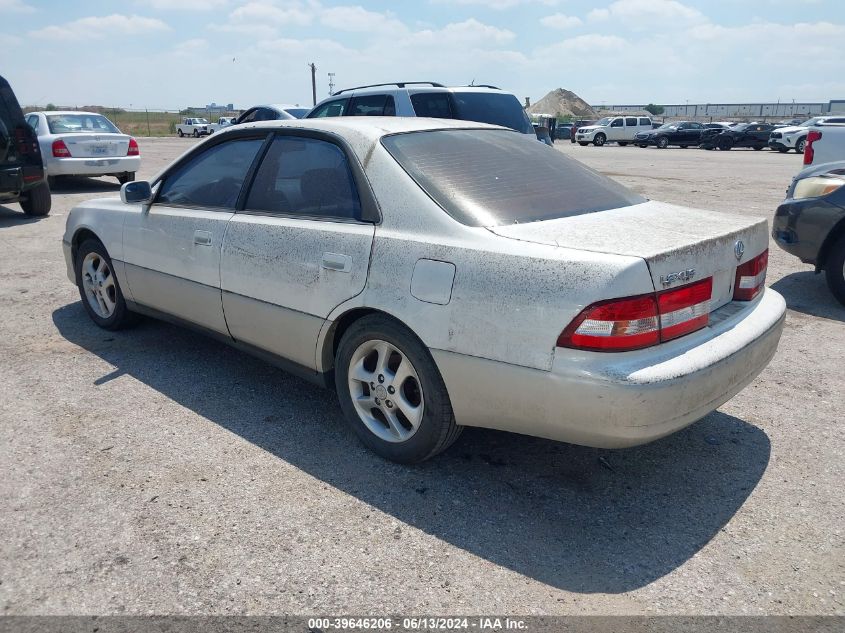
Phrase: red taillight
x=636 y=322
x=133 y=148
x=809 y=152
x=60 y=150
x=620 y=324
x=751 y=277
x=26 y=142
x=684 y=310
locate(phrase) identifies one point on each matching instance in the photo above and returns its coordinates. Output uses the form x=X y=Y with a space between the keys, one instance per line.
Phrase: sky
x=171 y=54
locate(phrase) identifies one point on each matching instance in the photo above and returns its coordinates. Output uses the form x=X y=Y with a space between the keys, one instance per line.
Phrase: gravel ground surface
x=156 y=471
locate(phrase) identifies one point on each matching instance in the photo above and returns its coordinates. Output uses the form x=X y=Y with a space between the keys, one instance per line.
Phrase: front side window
x=330 y=108
x=616 y=123
x=497 y=177
x=83 y=123
x=212 y=178
x=249 y=116
x=304 y=176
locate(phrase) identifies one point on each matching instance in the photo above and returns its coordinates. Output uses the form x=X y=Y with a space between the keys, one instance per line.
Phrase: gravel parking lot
x=156 y=471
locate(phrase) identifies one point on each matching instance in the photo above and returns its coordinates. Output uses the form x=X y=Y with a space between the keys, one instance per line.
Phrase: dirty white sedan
x=440 y=274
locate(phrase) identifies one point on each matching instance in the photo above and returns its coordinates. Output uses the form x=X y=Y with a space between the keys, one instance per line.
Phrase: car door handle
x=337 y=261
x=203 y=238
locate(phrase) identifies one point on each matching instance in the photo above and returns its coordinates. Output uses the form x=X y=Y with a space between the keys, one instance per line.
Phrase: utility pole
x=331 y=84
x=313 y=82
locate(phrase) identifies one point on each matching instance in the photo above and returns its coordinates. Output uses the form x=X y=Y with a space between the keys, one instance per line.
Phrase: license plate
x=99 y=150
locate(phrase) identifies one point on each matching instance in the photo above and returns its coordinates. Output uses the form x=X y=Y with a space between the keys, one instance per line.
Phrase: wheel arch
x=330 y=340
x=833 y=236
x=80 y=235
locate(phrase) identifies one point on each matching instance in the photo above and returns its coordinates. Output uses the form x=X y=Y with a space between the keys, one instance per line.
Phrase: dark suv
x=22 y=177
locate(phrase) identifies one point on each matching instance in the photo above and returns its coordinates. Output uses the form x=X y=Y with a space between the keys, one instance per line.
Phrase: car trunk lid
x=679 y=244
x=96 y=145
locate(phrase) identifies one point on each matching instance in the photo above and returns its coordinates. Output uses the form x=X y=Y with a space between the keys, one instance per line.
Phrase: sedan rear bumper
x=92 y=166
x=625 y=399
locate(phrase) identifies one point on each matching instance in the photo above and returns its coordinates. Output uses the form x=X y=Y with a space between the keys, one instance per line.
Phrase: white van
x=618 y=129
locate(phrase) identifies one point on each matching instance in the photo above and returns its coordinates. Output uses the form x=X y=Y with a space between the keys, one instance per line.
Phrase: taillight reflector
x=133 y=148
x=636 y=322
x=60 y=150
x=751 y=277
x=809 y=152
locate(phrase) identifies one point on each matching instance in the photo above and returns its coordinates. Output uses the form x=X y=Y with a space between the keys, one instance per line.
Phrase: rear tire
x=835 y=270
x=38 y=201
x=622 y=143
x=643 y=146
x=370 y=366
x=127 y=176
x=196 y=134
x=783 y=150
x=181 y=134
x=99 y=289
x=684 y=146
x=725 y=145
x=582 y=143
x=757 y=148
x=599 y=140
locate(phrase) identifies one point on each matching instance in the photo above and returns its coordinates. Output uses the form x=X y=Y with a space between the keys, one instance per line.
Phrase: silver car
x=76 y=143
x=440 y=274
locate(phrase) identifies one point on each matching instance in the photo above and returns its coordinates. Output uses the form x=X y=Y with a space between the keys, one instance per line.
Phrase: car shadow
x=580 y=519
x=14 y=217
x=807 y=292
x=83 y=184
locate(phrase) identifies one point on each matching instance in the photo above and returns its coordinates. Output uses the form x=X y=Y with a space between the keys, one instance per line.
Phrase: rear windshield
x=91 y=123
x=496 y=177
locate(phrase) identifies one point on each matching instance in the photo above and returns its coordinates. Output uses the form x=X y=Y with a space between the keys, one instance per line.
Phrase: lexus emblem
x=739 y=249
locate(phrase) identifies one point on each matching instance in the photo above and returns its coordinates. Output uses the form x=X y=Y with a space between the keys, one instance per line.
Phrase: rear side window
x=304 y=176
x=437 y=105
x=372 y=105
x=492 y=107
x=645 y=121
x=497 y=177
x=632 y=121
x=330 y=108
x=212 y=178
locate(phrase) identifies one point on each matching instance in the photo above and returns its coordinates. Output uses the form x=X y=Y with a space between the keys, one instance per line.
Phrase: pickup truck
x=223 y=121
x=193 y=127
x=825 y=144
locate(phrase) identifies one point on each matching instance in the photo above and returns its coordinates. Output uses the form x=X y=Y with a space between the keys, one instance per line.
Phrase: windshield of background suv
x=491 y=107
x=810 y=122
x=605 y=121
x=495 y=177
x=90 y=123
x=668 y=126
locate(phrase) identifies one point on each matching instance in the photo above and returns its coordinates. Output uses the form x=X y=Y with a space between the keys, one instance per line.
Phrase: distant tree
x=51 y=106
x=654 y=109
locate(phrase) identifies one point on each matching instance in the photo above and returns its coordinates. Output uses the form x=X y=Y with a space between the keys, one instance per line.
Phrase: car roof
x=67 y=112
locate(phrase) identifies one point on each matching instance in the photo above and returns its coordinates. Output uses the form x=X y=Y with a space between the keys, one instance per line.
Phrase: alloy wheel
x=99 y=285
x=385 y=390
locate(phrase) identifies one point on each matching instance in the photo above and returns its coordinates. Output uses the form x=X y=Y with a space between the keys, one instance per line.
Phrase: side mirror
x=137 y=192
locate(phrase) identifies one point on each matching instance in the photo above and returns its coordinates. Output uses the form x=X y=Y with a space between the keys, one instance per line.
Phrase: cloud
x=499 y=5
x=15 y=6
x=261 y=13
x=647 y=10
x=184 y=5
x=357 y=18
x=98 y=27
x=560 y=21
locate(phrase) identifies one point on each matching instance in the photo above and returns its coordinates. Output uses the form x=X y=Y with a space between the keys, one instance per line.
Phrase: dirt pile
x=560 y=102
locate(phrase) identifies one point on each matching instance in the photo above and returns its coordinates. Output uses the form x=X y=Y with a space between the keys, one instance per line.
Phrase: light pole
x=331 y=83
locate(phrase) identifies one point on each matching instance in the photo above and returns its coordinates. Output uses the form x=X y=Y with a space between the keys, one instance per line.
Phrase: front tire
x=799 y=146
x=196 y=134
x=835 y=270
x=392 y=393
x=599 y=139
x=783 y=150
x=582 y=143
x=98 y=287
x=622 y=143
x=725 y=145
x=38 y=201
x=662 y=142
x=643 y=145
